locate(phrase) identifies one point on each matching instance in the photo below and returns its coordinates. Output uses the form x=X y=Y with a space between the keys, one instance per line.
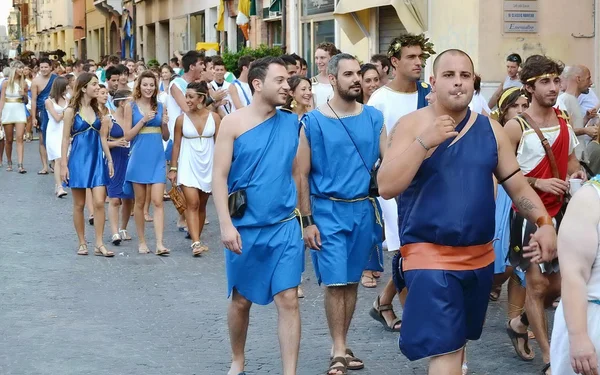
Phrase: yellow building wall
x=557 y=20
x=361 y=48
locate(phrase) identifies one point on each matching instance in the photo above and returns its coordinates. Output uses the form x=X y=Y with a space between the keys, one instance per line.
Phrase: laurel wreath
x=408 y=40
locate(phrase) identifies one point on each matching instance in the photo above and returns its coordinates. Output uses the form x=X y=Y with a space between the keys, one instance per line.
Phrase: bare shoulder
x=413 y=122
x=69 y=111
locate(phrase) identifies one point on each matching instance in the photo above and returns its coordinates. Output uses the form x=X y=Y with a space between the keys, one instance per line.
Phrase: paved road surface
x=142 y=314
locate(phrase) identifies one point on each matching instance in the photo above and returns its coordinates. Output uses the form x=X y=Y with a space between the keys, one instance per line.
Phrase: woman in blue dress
x=145 y=125
x=89 y=164
x=119 y=150
x=512 y=102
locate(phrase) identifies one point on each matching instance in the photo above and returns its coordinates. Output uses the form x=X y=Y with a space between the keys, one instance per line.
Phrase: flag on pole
x=221 y=16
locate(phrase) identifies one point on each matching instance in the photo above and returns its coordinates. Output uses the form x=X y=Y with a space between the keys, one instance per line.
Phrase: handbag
x=237 y=201
x=2 y=134
x=373 y=187
x=178 y=199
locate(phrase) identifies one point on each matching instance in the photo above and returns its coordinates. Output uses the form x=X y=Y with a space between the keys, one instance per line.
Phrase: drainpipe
x=284 y=25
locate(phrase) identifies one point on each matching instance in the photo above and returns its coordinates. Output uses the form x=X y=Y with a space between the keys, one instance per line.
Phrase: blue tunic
x=272 y=247
x=453 y=203
x=87 y=164
x=40 y=102
x=147 y=163
x=120 y=157
x=339 y=187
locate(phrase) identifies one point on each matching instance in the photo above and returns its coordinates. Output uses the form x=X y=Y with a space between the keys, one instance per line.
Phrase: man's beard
x=348 y=95
x=543 y=101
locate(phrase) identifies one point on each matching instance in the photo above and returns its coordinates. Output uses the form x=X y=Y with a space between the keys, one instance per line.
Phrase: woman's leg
x=202 y=210
x=140 y=198
x=98 y=198
x=2 y=142
x=148 y=195
x=159 y=216
x=10 y=137
x=89 y=203
x=125 y=213
x=113 y=214
x=78 y=205
x=192 y=201
x=20 y=145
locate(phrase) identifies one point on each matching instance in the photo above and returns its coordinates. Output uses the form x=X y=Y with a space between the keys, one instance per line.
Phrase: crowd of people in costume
x=359 y=159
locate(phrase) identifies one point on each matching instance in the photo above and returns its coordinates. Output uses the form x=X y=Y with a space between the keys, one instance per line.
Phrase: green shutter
x=252 y=8
x=275 y=6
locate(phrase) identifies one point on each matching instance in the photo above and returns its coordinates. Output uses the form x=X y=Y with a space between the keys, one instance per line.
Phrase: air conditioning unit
x=274 y=14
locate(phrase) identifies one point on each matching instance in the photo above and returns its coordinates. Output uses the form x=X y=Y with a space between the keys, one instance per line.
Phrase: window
x=317 y=26
x=274 y=31
x=324 y=31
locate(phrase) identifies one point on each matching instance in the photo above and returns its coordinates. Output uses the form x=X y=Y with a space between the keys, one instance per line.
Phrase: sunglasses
x=513 y=59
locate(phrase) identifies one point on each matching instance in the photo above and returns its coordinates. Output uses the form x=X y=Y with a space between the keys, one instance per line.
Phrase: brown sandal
x=368 y=281
x=341 y=369
x=162 y=252
x=82 y=250
x=376 y=313
x=98 y=251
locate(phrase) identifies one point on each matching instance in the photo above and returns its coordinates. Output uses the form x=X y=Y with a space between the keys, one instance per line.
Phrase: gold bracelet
x=174 y=169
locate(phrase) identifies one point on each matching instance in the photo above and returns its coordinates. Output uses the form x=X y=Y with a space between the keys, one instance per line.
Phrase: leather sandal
x=102 y=251
x=340 y=369
x=514 y=339
x=376 y=313
x=82 y=250
x=351 y=358
x=162 y=252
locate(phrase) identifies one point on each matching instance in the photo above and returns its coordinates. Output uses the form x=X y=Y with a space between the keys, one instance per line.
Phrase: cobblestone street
x=64 y=314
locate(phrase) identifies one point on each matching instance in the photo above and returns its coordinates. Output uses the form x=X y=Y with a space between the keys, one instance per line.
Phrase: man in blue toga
x=447 y=156
x=340 y=144
x=255 y=157
x=40 y=90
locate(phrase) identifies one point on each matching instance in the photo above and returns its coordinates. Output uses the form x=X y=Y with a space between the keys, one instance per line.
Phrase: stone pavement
x=64 y=314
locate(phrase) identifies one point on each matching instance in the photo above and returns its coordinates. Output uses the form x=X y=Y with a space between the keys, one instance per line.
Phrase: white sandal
x=124 y=235
x=116 y=239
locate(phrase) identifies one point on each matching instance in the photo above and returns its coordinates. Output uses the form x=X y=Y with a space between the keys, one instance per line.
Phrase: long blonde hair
x=14 y=66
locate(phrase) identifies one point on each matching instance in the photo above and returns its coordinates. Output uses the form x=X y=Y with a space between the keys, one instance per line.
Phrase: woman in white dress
x=55 y=106
x=12 y=108
x=575 y=343
x=192 y=162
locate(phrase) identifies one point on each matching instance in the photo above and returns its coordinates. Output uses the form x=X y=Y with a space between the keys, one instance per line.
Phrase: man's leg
x=238 y=317
x=447 y=364
x=288 y=329
x=335 y=310
x=537 y=287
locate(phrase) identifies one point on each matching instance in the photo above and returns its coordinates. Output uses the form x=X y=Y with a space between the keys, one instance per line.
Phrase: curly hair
x=537 y=65
x=329 y=47
x=137 y=90
x=409 y=40
x=293 y=82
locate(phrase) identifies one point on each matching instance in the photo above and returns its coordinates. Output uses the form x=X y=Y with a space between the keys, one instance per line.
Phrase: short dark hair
x=452 y=51
x=245 y=61
x=259 y=68
x=383 y=59
x=289 y=60
x=297 y=57
x=112 y=71
x=114 y=59
x=122 y=69
x=86 y=67
x=217 y=61
x=174 y=60
x=189 y=59
x=537 y=65
x=304 y=62
x=77 y=63
x=45 y=60
x=514 y=57
x=477 y=83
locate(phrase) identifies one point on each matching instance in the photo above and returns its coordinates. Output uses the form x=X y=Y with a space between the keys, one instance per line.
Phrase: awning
x=410 y=13
x=275 y=6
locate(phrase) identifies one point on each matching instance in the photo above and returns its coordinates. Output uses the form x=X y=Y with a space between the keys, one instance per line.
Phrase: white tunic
x=13 y=112
x=322 y=92
x=196 y=155
x=245 y=94
x=531 y=151
x=54 y=133
x=559 y=343
x=393 y=104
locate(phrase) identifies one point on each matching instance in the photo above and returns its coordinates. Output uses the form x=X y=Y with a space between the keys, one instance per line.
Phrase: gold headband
x=506 y=94
x=547 y=75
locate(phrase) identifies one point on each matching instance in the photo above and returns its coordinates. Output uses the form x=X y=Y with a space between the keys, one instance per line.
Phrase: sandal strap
x=395 y=322
x=196 y=244
x=343 y=364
